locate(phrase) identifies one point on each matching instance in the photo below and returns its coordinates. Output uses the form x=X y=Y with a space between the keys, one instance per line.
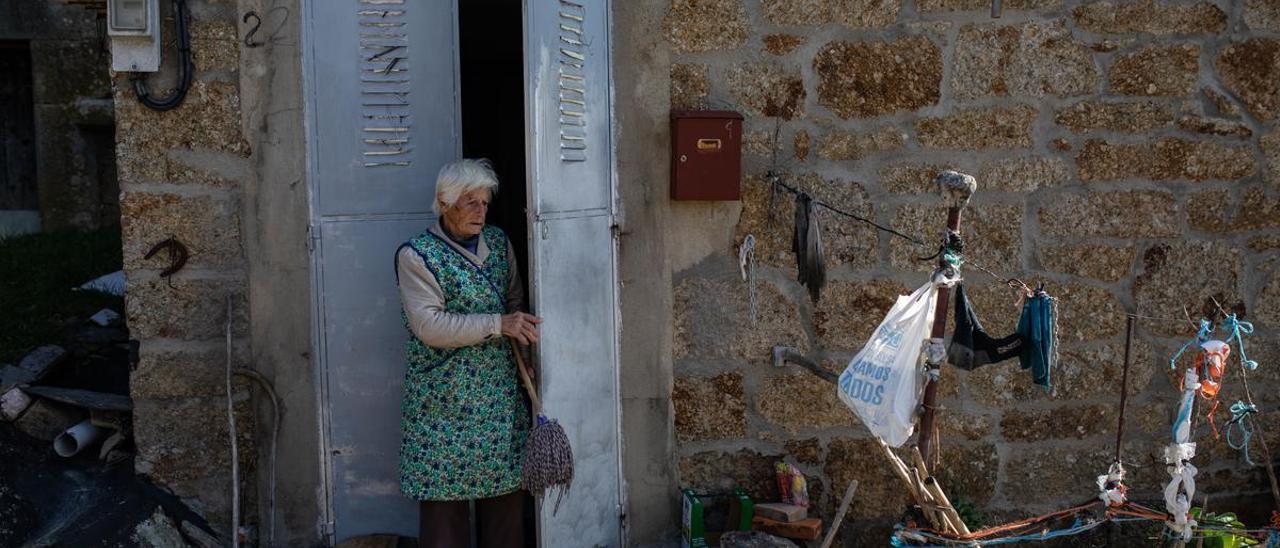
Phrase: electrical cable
x=275 y=442
x=185 y=67
x=235 y=452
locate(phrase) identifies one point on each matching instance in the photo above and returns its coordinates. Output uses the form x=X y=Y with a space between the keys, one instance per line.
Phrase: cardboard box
x=703 y=518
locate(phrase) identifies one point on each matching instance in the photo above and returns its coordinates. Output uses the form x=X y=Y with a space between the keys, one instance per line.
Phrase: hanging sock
x=1038 y=327
x=806 y=243
x=971 y=346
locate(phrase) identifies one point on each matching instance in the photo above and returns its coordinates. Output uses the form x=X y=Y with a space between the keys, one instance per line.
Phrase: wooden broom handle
x=524 y=376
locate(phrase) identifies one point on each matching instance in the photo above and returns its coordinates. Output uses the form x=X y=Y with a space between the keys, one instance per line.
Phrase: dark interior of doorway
x=491 y=56
x=17 y=128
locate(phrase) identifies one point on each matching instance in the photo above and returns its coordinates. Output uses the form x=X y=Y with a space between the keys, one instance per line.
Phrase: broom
x=548 y=458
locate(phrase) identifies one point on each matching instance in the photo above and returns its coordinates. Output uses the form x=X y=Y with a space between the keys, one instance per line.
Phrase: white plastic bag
x=882 y=384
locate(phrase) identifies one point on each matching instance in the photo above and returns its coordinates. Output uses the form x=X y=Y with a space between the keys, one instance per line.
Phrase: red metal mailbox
x=706 y=155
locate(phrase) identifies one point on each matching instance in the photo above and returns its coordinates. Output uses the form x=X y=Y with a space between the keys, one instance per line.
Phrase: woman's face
x=465 y=218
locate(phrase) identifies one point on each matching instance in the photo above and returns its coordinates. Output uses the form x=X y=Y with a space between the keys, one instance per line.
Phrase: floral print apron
x=463 y=416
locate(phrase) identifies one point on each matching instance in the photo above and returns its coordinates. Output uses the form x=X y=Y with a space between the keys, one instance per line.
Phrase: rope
x=1206 y=329
x=1262 y=439
x=1128 y=512
x=950 y=250
x=1240 y=411
x=1235 y=327
x=992 y=531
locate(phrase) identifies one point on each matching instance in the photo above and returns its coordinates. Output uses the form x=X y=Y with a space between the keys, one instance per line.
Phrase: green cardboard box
x=705 y=517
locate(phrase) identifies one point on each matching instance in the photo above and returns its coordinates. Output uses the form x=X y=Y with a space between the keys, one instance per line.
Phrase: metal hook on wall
x=178 y=255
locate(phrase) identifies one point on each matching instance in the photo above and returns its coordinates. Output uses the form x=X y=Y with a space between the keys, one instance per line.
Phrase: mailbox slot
x=706 y=155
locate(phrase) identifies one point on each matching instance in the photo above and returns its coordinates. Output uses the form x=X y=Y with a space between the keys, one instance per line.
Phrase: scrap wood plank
x=86 y=399
x=839 y=519
x=935 y=491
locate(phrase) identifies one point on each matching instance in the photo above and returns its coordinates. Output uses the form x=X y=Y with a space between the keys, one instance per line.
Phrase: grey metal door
x=572 y=252
x=383 y=116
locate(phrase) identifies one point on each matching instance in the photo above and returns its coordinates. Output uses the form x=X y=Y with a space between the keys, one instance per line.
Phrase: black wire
x=778 y=183
x=953 y=241
x=185 y=66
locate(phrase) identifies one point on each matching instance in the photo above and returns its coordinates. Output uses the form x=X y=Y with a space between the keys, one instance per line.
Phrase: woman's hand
x=521 y=327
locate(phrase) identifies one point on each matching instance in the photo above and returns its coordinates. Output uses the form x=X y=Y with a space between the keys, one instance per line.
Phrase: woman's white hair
x=460 y=177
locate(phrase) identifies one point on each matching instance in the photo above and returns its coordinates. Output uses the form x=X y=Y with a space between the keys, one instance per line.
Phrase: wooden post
x=839 y=519
x=925 y=442
x=934 y=490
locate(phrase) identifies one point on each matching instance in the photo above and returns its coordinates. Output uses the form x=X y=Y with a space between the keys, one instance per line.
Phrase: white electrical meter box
x=134 y=28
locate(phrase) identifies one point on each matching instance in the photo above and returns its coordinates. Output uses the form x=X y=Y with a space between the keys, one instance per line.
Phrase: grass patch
x=37 y=272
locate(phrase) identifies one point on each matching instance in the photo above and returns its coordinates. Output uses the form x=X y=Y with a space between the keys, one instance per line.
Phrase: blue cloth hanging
x=1038 y=328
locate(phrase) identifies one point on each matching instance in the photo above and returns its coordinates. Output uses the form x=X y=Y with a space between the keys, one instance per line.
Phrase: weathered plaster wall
x=75 y=171
x=275 y=227
x=224 y=174
x=640 y=61
x=1127 y=154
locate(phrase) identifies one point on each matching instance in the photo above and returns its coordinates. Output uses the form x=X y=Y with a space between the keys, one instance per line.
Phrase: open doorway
x=19 y=204
x=491 y=63
x=491 y=72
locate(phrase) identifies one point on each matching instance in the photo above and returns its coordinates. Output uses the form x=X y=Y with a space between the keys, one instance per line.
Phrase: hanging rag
x=806 y=243
x=1210 y=364
x=1038 y=328
x=971 y=346
x=1111 y=487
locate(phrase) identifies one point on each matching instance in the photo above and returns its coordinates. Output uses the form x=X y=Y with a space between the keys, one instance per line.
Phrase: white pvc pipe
x=78 y=437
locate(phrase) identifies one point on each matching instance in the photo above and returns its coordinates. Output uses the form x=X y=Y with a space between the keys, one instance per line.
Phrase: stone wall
x=1127 y=155
x=183 y=175
x=75 y=174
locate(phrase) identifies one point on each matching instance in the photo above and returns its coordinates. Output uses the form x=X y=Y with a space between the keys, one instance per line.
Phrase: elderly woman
x=463 y=414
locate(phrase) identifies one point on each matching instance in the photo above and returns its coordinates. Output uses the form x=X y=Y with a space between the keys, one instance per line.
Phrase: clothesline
x=776 y=182
x=773 y=178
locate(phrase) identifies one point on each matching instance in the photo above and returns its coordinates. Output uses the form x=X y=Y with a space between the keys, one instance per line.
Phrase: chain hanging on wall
x=747 y=267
